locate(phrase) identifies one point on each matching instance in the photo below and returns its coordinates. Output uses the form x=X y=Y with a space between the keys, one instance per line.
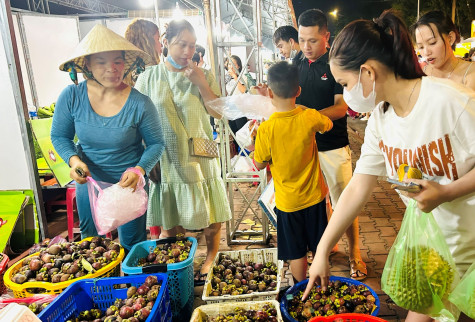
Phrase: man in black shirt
x=321 y=92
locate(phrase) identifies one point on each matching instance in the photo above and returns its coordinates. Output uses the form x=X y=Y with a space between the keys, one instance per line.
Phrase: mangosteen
x=35 y=264
x=359 y=309
x=79 y=274
x=215 y=293
x=53 y=271
x=258 y=266
x=47 y=258
x=126 y=312
x=67 y=258
x=114 y=246
x=143 y=290
x=152 y=295
x=56 y=278
x=252 y=285
x=97 y=265
x=73 y=269
x=131 y=291
x=151 y=280
x=65 y=277
x=29 y=273
x=129 y=302
x=19 y=278
x=237 y=282
x=54 y=249
x=100 y=249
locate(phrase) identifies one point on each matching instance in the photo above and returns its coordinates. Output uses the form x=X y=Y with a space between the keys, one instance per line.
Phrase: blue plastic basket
x=303 y=284
x=102 y=293
x=180 y=275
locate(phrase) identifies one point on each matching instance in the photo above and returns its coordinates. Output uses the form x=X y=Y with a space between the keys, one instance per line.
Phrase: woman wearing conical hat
x=110 y=120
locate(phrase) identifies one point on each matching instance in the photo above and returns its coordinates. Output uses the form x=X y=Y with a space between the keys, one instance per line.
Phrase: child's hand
x=260 y=89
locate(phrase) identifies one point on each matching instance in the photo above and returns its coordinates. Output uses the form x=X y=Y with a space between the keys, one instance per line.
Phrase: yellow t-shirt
x=287 y=139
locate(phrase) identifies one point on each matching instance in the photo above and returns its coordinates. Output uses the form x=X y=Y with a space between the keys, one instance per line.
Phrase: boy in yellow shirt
x=287 y=142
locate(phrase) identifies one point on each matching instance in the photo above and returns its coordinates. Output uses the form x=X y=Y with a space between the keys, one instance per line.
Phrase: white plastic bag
x=244 y=105
x=112 y=206
x=244 y=135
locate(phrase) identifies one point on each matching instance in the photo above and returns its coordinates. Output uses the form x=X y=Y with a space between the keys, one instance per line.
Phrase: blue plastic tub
x=180 y=275
x=101 y=293
x=303 y=284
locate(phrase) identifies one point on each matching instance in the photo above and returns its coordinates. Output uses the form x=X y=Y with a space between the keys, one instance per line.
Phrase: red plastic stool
x=70 y=206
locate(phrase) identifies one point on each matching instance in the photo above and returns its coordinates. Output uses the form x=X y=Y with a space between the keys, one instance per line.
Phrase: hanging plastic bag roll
x=420 y=272
x=244 y=105
x=464 y=294
x=112 y=206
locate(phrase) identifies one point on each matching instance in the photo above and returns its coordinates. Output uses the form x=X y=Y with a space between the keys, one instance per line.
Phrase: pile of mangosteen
x=267 y=313
x=338 y=298
x=135 y=308
x=232 y=277
x=67 y=261
x=168 y=253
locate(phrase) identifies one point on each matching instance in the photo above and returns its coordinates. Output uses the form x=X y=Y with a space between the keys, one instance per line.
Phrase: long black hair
x=385 y=39
x=442 y=23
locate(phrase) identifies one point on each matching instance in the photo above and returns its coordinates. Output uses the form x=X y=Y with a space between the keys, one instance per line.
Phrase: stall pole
x=11 y=53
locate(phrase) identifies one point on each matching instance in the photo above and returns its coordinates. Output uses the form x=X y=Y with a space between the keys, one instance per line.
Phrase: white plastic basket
x=261 y=256
x=203 y=312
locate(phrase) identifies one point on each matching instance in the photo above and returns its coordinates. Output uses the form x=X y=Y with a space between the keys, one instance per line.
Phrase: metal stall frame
x=230 y=176
x=26 y=51
x=11 y=52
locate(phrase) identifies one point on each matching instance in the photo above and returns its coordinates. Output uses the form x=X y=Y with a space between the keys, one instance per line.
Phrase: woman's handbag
x=203 y=148
x=199 y=147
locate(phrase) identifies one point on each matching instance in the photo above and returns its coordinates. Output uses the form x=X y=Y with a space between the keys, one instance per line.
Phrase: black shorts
x=300 y=231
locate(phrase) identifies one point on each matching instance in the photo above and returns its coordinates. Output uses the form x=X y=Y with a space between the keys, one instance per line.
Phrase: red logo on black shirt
x=324 y=77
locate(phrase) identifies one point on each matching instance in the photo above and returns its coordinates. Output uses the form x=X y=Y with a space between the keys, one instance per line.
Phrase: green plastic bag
x=464 y=294
x=420 y=272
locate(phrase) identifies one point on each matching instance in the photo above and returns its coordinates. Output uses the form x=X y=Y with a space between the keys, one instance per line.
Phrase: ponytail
x=385 y=39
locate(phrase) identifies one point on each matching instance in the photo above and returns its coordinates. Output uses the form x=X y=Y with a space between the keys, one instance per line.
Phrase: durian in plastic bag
x=464 y=294
x=420 y=272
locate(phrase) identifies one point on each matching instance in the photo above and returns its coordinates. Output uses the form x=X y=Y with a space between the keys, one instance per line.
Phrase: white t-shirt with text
x=438 y=138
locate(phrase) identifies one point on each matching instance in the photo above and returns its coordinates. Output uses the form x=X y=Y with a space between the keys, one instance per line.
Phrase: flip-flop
x=199 y=279
x=358 y=270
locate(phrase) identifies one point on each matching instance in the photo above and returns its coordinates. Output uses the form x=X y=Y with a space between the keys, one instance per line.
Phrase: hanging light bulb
x=177 y=12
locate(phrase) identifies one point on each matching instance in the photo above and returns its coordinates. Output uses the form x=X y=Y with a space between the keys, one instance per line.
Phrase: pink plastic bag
x=112 y=206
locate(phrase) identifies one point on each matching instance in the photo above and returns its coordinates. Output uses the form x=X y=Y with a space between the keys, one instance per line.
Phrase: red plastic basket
x=347 y=317
x=3 y=268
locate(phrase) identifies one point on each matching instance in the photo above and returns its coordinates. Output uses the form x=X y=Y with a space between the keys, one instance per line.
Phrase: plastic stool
x=70 y=206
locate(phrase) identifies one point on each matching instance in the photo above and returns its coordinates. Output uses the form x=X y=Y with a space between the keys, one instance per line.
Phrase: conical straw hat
x=100 y=39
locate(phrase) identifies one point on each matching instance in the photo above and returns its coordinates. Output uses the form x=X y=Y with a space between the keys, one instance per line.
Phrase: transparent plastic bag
x=35 y=303
x=244 y=136
x=420 y=272
x=464 y=294
x=112 y=206
x=244 y=105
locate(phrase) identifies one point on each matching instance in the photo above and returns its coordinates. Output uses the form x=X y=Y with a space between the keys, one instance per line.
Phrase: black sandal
x=200 y=279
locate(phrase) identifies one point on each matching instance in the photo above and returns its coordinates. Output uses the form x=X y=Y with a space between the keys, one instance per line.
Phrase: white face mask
x=356 y=100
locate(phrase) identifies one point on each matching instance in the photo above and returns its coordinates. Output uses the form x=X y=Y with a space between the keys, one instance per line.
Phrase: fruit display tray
x=180 y=275
x=203 y=312
x=262 y=256
x=101 y=293
x=303 y=284
x=27 y=289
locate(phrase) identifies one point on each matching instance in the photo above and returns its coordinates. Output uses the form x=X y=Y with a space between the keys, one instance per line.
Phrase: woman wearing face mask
x=111 y=121
x=425 y=122
x=191 y=194
x=436 y=37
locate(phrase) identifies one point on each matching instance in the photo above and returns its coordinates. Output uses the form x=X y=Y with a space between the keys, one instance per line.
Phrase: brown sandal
x=358 y=270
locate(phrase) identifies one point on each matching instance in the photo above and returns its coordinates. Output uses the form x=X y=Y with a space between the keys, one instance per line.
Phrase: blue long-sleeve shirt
x=108 y=145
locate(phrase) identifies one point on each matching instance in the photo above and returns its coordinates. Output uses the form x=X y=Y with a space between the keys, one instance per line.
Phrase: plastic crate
x=26 y=289
x=3 y=268
x=263 y=256
x=180 y=275
x=347 y=317
x=303 y=284
x=203 y=312
x=101 y=293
